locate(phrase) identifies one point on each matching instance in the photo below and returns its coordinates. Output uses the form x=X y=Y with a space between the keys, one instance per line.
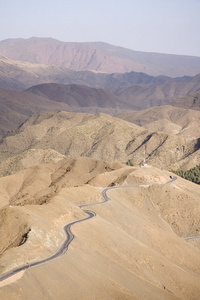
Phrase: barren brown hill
x=76 y=95
x=98 y=56
x=166 y=118
x=191 y=101
x=139 y=97
x=132 y=249
x=99 y=136
x=17 y=106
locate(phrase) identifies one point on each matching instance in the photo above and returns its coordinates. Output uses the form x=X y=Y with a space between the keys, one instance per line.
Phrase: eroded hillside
x=97 y=136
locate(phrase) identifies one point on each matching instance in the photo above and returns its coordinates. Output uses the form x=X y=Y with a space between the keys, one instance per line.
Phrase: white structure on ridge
x=144 y=164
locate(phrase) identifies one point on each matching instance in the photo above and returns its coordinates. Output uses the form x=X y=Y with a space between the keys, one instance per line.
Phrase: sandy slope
x=28 y=158
x=132 y=249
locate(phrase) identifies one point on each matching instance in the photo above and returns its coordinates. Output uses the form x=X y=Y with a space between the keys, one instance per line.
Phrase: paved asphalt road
x=70 y=236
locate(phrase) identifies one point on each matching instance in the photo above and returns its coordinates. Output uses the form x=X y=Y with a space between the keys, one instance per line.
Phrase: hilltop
x=77 y=95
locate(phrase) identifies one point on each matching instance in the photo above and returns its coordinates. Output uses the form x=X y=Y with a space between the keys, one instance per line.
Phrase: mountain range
x=96 y=136
x=91 y=129
x=115 y=94
x=16 y=74
x=100 y=57
x=17 y=106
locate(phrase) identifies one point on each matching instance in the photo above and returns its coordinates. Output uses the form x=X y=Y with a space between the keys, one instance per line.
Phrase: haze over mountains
x=98 y=56
x=15 y=74
x=99 y=92
x=18 y=106
x=72 y=115
x=108 y=93
x=53 y=97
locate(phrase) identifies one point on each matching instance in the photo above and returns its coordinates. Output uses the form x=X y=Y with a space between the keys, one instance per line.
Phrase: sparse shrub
x=130 y=163
x=191 y=175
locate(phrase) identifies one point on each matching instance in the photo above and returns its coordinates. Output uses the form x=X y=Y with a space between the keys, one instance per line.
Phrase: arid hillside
x=166 y=118
x=139 y=97
x=99 y=136
x=17 y=106
x=98 y=56
x=132 y=249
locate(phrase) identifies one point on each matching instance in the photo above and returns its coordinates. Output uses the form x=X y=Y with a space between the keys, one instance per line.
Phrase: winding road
x=70 y=235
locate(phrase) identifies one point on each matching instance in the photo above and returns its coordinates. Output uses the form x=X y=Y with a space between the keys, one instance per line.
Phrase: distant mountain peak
x=98 y=56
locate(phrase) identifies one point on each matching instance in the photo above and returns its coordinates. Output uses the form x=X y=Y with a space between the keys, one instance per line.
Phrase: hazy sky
x=167 y=26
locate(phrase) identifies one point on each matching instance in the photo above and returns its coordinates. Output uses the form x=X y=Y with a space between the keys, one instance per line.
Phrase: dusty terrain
x=132 y=249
